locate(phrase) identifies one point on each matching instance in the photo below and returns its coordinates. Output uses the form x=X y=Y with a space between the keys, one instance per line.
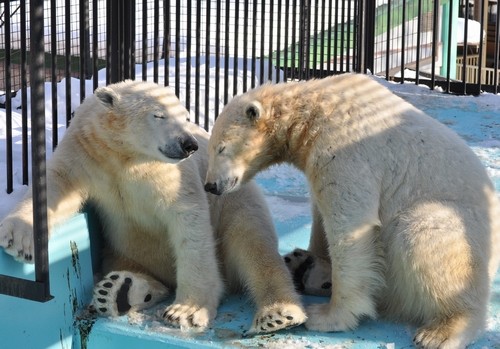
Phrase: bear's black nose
x=189 y=145
x=211 y=188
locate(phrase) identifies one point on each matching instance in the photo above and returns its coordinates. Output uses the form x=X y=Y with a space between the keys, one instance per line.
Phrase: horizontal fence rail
x=54 y=53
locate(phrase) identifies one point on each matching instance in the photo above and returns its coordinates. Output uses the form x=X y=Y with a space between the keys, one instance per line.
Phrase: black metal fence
x=58 y=51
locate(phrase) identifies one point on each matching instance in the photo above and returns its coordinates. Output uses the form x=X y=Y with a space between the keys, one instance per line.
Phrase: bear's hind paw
x=311 y=275
x=277 y=317
x=121 y=292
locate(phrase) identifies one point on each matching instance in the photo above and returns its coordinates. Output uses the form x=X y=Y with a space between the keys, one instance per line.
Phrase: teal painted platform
x=145 y=330
x=58 y=323
x=26 y=324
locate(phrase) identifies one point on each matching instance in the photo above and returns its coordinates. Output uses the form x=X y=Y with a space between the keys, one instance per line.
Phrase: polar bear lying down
x=403 y=209
x=130 y=150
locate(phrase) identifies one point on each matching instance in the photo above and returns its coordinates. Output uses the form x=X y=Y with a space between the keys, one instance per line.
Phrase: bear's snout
x=180 y=148
x=211 y=188
x=188 y=145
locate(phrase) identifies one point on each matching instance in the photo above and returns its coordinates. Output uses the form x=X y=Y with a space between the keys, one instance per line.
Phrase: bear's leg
x=318 y=245
x=120 y=292
x=265 y=275
x=199 y=283
x=437 y=257
x=249 y=248
x=357 y=278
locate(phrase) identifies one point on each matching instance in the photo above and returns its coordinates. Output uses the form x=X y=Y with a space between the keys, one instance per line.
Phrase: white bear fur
x=158 y=220
x=412 y=220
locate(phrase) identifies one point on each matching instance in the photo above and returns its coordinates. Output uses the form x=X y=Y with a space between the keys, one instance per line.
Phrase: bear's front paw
x=276 y=317
x=311 y=275
x=325 y=319
x=121 y=292
x=188 y=316
x=16 y=237
x=448 y=334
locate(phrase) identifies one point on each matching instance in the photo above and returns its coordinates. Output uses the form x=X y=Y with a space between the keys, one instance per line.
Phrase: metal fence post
x=120 y=40
x=367 y=32
x=38 y=151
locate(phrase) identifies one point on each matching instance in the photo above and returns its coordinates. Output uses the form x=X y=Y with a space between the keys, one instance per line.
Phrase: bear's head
x=145 y=119
x=239 y=146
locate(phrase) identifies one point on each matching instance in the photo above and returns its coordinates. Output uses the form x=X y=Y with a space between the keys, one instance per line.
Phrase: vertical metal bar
x=419 y=26
x=226 y=52
x=130 y=39
x=217 y=56
x=388 y=43
x=449 y=48
x=53 y=67
x=303 y=33
x=197 y=64
x=349 y=38
x=465 y=48
x=322 y=48
x=236 y=48
x=278 y=43
x=335 y=36
x=84 y=37
x=329 y=55
x=254 y=43
x=270 y=38
x=315 y=38
x=356 y=32
x=435 y=39
x=67 y=58
x=8 y=100
x=293 y=63
x=156 y=42
x=286 y=75
x=166 y=41
x=245 y=46
x=403 y=42
x=307 y=43
x=481 y=49
x=39 y=183
x=262 y=37
x=177 y=46
x=144 y=58
x=24 y=99
x=369 y=36
x=342 y=39
x=95 y=44
x=207 y=67
x=188 y=56
x=108 y=40
x=496 y=53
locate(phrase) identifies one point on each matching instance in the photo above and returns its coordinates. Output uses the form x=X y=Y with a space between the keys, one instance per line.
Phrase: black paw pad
x=326 y=285
x=122 y=304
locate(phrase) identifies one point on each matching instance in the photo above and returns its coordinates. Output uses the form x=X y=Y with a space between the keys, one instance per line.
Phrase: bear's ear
x=107 y=96
x=253 y=110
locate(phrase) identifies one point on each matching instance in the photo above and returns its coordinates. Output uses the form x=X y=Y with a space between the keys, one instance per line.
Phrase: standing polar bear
x=131 y=151
x=410 y=215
